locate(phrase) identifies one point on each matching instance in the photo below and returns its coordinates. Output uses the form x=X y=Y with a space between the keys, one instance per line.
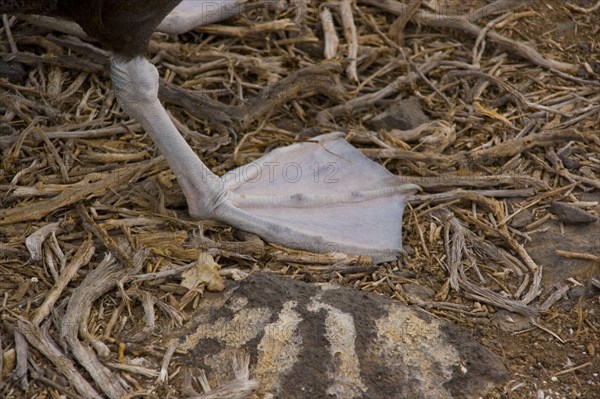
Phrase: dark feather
x=122 y=26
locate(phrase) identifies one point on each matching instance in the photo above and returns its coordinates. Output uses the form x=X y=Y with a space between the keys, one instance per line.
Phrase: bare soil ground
x=514 y=131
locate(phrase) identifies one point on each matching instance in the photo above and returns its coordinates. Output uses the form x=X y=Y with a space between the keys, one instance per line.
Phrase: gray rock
x=418 y=292
x=580 y=238
x=405 y=114
x=511 y=322
x=577 y=292
x=522 y=219
x=13 y=71
x=321 y=340
x=568 y=213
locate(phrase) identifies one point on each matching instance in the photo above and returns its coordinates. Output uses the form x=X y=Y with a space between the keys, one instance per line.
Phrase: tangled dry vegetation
x=507 y=157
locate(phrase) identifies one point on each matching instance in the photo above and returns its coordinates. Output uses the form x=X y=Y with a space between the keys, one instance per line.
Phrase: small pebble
x=570 y=214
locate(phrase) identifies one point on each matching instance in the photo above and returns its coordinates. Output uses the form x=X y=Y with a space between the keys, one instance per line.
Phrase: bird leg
x=320 y=196
x=192 y=13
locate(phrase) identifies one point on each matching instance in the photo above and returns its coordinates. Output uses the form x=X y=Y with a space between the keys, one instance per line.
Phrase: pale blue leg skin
x=322 y=196
x=192 y=13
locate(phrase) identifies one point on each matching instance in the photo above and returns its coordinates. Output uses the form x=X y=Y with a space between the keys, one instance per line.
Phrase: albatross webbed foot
x=320 y=196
